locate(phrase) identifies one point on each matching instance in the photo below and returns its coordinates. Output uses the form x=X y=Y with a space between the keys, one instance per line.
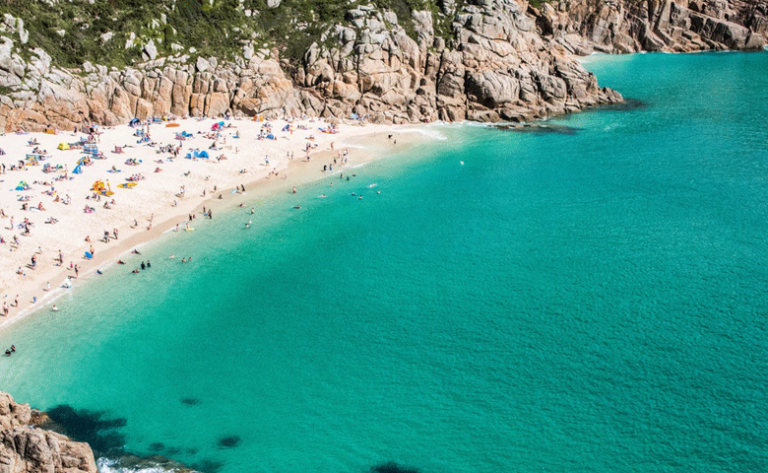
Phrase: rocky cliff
x=26 y=449
x=484 y=60
x=625 y=26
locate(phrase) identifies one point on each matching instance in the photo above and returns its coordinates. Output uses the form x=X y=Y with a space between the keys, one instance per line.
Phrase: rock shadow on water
x=89 y=426
x=626 y=106
x=392 y=467
x=229 y=442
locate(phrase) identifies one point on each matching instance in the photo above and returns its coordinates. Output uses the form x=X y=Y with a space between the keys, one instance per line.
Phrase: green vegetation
x=71 y=31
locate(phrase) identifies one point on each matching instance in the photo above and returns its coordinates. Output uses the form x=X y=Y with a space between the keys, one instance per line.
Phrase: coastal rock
x=502 y=60
x=621 y=26
x=26 y=449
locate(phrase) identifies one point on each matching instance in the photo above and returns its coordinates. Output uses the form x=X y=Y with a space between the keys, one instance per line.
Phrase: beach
x=167 y=192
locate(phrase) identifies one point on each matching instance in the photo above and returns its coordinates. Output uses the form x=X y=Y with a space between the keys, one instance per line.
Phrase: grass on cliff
x=71 y=31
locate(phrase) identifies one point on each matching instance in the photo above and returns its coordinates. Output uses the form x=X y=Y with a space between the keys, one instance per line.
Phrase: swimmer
x=242 y=205
x=143 y=266
x=135 y=252
x=120 y=261
x=360 y=198
x=171 y=257
x=13 y=348
x=462 y=163
x=135 y=271
x=378 y=192
x=322 y=196
x=354 y=193
x=98 y=271
x=294 y=189
x=297 y=206
x=54 y=308
x=183 y=260
x=149 y=265
x=252 y=211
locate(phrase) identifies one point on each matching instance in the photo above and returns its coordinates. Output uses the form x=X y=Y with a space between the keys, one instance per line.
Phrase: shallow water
x=586 y=301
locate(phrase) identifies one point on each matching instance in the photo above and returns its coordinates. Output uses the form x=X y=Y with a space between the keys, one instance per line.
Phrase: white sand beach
x=56 y=211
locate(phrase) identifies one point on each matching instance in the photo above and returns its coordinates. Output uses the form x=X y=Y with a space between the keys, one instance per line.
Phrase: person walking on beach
x=5 y=308
x=114 y=232
x=77 y=271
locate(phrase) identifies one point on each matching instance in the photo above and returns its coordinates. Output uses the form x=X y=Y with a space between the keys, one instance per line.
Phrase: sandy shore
x=155 y=203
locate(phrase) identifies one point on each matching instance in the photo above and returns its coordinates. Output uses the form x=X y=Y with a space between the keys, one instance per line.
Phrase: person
x=294 y=189
x=149 y=265
x=54 y=308
x=183 y=260
x=13 y=348
x=8 y=352
x=135 y=252
x=120 y=261
x=143 y=266
x=135 y=271
x=98 y=271
x=252 y=211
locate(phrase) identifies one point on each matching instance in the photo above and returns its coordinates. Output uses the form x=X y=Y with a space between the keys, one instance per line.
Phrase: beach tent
x=135 y=122
x=22 y=186
x=271 y=137
x=221 y=123
x=78 y=170
x=203 y=154
x=63 y=146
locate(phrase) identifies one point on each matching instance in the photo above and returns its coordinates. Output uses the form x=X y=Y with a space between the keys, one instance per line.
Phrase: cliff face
x=624 y=26
x=502 y=60
x=499 y=67
x=25 y=449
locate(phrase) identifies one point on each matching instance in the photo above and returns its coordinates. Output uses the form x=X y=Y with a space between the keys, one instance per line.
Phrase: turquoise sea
x=581 y=299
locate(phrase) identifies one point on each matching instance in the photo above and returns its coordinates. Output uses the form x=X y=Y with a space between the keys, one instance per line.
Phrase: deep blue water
x=584 y=302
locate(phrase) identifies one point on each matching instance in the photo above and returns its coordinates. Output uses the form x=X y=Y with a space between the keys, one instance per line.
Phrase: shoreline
x=31 y=291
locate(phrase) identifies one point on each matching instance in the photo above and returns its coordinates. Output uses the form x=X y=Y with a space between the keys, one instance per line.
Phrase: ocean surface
x=587 y=297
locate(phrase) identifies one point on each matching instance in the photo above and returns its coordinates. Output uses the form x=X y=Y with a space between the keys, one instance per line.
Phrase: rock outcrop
x=624 y=26
x=503 y=60
x=496 y=67
x=27 y=449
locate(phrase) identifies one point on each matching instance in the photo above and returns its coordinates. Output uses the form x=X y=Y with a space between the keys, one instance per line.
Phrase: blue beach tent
x=78 y=170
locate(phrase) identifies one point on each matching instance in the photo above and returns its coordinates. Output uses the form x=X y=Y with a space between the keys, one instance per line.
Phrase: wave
x=431 y=134
x=105 y=465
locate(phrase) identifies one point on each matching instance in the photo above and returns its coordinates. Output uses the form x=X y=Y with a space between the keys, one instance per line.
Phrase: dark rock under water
x=229 y=442
x=539 y=128
x=392 y=467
